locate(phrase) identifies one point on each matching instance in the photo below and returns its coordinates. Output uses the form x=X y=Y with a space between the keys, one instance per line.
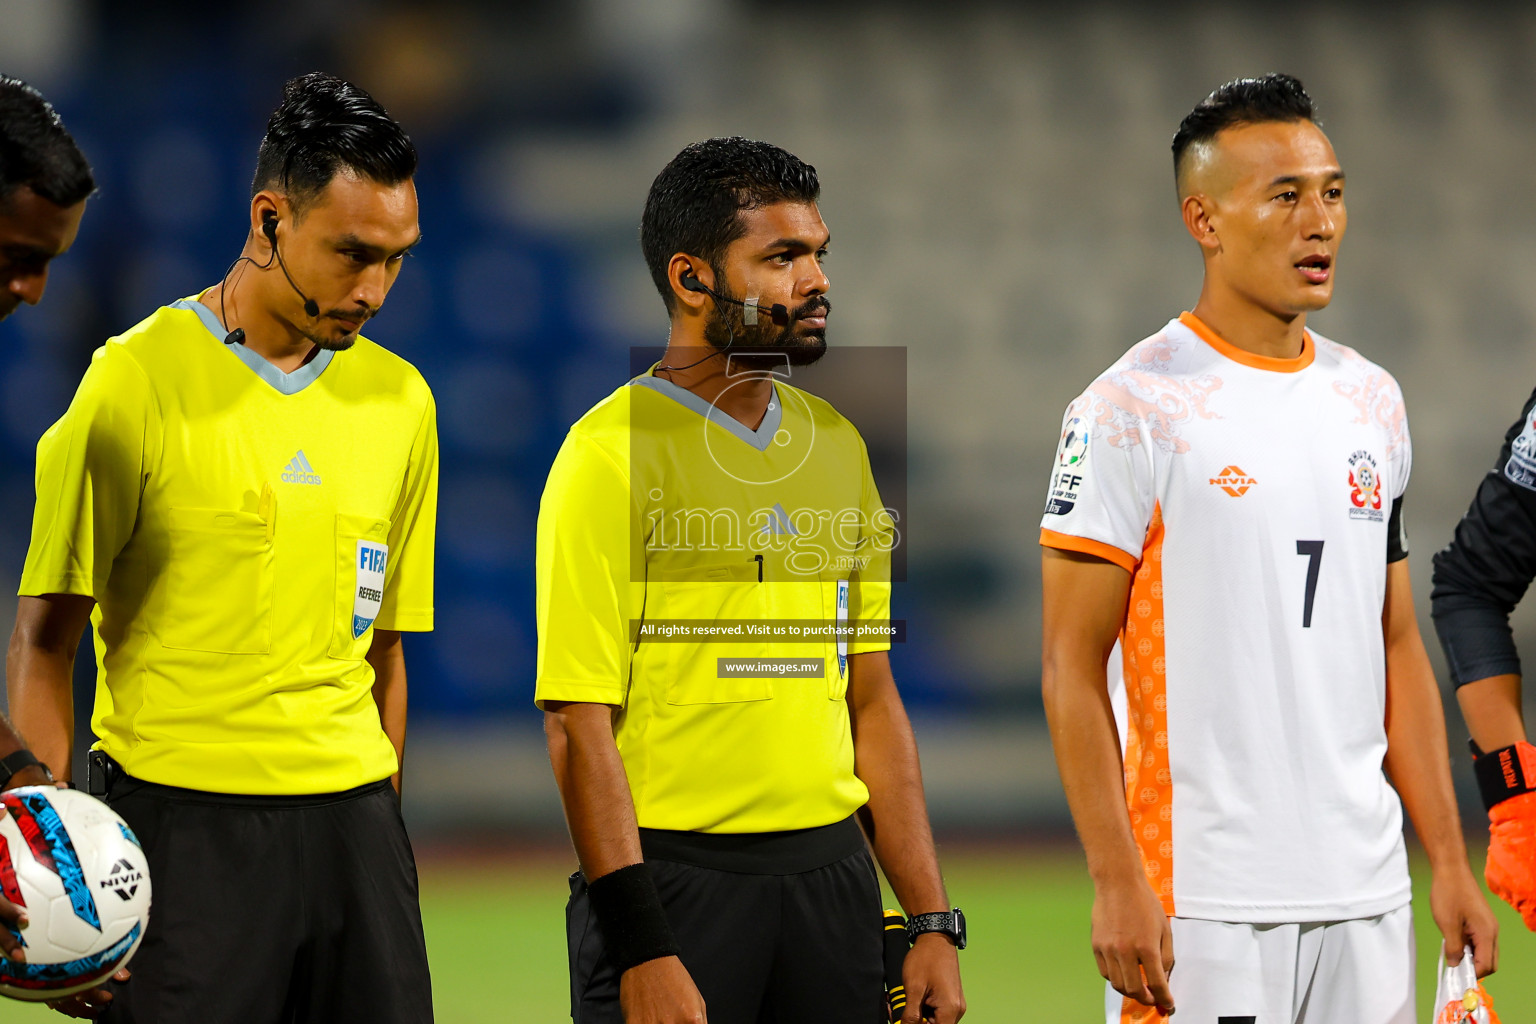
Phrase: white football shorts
x=1334 y=972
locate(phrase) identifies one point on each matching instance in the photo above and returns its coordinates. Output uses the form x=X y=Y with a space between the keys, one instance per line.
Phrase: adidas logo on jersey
x=299 y=471
x=778 y=522
x=1234 y=481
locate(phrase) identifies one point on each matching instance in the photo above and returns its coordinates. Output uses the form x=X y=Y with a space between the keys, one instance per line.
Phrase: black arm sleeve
x=1485 y=570
x=1397 y=533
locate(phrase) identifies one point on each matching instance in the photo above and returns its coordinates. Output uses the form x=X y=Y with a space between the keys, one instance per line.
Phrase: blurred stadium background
x=998 y=183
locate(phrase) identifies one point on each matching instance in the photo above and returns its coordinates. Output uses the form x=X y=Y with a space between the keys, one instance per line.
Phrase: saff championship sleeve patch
x=1067 y=477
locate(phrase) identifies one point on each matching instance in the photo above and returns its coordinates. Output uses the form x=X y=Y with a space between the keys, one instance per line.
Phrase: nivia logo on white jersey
x=299 y=471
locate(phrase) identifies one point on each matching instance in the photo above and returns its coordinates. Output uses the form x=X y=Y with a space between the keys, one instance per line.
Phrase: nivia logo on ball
x=299 y=471
x=124 y=880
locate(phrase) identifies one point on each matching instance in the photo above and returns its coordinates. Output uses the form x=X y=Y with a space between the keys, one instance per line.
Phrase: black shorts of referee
x=274 y=910
x=775 y=927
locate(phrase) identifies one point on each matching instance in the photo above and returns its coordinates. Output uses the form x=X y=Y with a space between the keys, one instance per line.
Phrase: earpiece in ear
x=692 y=283
x=269 y=228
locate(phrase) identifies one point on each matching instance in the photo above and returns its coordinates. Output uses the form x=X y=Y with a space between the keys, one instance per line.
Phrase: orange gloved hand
x=1511 y=868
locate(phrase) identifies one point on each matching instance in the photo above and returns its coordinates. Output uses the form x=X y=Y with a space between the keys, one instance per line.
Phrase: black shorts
x=274 y=910
x=782 y=928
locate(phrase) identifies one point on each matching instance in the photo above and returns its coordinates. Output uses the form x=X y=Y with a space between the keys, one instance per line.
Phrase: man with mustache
x=241 y=499
x=1227 y=506
x=714 y=779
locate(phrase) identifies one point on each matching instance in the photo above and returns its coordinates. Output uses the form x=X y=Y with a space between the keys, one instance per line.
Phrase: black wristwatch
x=20 y=760
x=947 y=922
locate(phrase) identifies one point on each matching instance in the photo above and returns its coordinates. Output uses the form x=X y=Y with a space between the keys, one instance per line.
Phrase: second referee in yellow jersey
x=242 y=498
x=697 y=526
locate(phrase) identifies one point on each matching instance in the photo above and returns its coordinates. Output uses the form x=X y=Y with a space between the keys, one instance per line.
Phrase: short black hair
x=324 y=125
x=36 y=150
x=1272 y=97
x=695 y=203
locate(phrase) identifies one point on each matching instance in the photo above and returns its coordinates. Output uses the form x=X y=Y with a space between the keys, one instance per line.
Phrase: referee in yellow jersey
x=714 y=782
x=241 y=498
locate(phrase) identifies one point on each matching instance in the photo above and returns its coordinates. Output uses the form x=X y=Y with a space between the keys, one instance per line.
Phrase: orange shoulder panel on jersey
x=1258 y=362
x=1098 y=549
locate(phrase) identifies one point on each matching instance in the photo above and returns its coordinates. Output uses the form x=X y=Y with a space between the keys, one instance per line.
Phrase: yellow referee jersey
x=662 y=511
x=243 y=532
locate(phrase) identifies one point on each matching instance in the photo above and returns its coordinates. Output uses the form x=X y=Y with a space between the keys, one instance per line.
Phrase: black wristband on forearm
x=1504 y=773
x=20 y=760
x=630 y=913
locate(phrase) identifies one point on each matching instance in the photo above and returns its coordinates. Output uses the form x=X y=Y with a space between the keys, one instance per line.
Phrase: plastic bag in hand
x=1459 y=998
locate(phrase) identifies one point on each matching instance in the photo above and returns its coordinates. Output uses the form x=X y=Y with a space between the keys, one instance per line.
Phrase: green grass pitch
x=495 y=933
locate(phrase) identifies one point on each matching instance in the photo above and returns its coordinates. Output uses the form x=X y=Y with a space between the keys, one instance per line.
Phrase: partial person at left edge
x=1480 y=577
x=44 y=184
x=241 y=498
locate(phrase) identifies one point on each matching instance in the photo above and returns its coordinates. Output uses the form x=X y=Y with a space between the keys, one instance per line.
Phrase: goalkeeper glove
x=1507 y=781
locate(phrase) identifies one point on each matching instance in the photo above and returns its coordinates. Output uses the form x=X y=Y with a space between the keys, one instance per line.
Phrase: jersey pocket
x=217 y=583
x=362 y=557
x=729 y=596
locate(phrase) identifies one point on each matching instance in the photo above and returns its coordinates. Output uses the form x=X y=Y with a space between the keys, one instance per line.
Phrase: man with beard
x=714 y=771
x=241 y=498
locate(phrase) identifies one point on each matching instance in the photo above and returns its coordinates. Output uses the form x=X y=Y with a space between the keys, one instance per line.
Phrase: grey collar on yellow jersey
x=284 y=383
x=760 y=438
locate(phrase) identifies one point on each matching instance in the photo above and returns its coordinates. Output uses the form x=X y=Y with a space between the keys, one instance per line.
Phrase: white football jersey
x=1250 y=499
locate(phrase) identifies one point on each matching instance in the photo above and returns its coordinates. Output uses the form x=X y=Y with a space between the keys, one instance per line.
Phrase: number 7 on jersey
x=1313 y=549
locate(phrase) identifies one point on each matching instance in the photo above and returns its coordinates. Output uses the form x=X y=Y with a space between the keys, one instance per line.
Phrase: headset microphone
x=269 y=228
x=777 y=312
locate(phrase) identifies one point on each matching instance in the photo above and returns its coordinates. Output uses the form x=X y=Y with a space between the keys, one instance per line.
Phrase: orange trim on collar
x=1238 y=355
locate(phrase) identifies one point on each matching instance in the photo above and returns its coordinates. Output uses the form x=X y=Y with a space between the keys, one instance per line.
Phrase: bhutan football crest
x=1364 y=488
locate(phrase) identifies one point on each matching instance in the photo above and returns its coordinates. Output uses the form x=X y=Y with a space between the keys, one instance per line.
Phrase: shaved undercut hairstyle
x=324 y=126
x=36 y=150
x=1274 y=97
x=695 y=203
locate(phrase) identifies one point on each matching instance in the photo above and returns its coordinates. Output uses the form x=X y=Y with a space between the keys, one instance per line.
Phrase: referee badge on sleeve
x=371 y=557
x=842 y=620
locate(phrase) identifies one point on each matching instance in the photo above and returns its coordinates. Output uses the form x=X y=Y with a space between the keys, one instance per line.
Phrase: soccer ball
x=81 y=874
